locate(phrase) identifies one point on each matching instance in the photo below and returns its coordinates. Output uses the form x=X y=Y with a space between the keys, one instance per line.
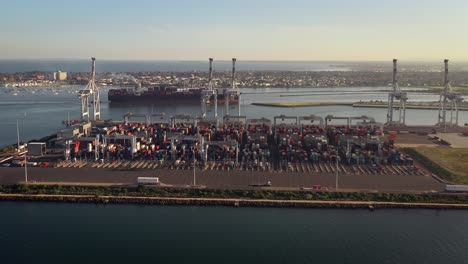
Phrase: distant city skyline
x=295 y=30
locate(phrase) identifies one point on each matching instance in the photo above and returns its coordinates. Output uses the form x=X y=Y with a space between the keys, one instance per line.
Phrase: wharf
x=303 y=104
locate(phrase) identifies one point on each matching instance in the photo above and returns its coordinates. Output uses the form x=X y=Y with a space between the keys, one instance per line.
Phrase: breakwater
x=226 y=202
x=434 y=106
x=302 y=104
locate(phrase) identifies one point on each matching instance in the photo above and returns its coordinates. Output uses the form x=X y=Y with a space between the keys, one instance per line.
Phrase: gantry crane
x=208 y=94
x=396 y=95
x=233 y=92
x=449 y=100
x=90 y=90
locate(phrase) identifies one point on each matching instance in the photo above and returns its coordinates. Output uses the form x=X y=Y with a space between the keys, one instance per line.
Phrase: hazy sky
x=247 y=29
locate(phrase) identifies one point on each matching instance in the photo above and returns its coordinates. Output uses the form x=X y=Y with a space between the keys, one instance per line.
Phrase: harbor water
x=88 y=233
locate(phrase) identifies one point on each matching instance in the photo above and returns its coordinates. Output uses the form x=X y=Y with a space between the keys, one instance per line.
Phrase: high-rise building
x=60 y=76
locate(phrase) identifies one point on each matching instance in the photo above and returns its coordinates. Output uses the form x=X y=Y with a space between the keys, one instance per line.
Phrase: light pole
x=17 y=133
x=194 y=176
x=25 y=168
x=336 y=172
x=25 y=157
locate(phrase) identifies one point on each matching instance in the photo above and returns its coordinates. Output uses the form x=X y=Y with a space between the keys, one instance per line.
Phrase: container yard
x=290 y=152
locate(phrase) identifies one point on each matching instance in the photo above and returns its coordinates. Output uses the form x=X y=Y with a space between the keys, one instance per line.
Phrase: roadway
x=233 y=179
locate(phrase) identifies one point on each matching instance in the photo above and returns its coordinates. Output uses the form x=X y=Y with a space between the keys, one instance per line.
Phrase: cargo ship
x=161 y=94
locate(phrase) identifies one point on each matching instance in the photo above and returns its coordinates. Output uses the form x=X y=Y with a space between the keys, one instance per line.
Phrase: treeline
x=143 y=191
x=8 y=149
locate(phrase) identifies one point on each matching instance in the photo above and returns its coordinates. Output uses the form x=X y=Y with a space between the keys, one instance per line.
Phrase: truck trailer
x=148 y=181
x=456 y=188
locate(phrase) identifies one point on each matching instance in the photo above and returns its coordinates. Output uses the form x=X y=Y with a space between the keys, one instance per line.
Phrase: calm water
x=85 y=233
x=48 y=107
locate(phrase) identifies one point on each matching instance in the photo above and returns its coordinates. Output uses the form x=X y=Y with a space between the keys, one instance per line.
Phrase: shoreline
x=231 y=202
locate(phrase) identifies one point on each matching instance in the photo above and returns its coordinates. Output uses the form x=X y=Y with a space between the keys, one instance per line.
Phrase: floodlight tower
x=209 y=93
x=396 y=95
x=448 y=100
x=233 y=92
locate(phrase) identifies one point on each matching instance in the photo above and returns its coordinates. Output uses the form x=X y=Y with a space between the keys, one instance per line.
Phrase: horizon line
x=228 y=60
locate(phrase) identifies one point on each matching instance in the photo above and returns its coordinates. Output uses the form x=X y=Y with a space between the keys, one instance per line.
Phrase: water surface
x=88 y=233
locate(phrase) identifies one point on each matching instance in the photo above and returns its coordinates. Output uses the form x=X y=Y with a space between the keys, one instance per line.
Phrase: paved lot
x=455 y=139
x=414 y=140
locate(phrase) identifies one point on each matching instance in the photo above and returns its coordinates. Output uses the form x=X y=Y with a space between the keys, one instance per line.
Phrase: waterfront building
x=60 y=76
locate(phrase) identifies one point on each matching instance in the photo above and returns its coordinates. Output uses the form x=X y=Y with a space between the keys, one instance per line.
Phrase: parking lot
x=307 y=168
x=223 y=177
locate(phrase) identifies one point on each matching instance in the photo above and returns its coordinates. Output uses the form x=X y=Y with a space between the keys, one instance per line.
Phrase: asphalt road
x=225 y=179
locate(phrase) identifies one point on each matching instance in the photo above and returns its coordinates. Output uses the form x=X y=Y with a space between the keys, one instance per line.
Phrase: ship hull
x=167 y=99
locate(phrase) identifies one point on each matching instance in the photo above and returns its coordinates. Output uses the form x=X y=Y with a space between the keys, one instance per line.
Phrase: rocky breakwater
x=226 y=202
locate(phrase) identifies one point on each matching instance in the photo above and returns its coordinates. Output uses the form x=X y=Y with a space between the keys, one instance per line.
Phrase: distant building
x=60 y=76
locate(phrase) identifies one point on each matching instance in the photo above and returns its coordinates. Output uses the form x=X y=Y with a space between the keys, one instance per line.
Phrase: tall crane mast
x=95 y=91
x=448 y=101
x=396 y=95
x=209 y=93
x=90 y=90
x=233 y=92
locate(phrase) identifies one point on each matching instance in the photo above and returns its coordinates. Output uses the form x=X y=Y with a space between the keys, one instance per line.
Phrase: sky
x=318 y=30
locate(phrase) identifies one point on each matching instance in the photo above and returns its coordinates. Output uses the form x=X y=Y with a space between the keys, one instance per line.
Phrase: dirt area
x=227 y=179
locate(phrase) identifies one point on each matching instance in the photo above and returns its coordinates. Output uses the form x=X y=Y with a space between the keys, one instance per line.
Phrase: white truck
x=456 y=188
x=148 y=181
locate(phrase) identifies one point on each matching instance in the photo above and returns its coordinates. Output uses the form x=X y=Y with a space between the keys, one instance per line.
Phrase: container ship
x=160 y=94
